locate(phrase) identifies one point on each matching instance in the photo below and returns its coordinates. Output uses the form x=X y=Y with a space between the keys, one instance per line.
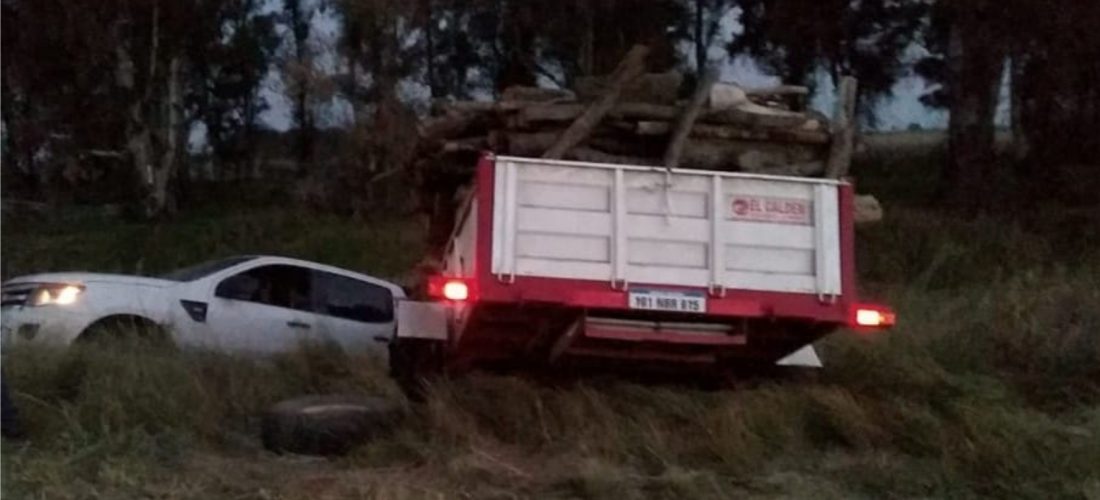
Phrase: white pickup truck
x=554 y=263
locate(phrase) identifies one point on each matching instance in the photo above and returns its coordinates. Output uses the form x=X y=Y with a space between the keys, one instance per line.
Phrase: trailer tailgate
x=630 y=225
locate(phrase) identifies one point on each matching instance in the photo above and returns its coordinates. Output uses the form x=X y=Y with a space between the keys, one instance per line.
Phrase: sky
x=894 y=113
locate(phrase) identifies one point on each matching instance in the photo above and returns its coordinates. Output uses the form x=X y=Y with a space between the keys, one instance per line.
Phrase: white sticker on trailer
x=770 y=209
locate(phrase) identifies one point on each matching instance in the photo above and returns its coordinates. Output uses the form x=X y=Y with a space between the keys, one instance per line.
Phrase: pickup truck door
x=354 y=313
x=262 y=309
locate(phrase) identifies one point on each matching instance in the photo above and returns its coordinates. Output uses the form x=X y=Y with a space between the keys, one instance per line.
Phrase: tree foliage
x=106 y=93
x=867 y=39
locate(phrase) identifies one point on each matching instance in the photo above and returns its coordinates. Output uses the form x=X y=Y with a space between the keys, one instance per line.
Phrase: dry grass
x=994 y=391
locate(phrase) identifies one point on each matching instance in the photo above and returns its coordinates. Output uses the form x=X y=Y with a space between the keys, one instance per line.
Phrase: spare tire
x=326 y=425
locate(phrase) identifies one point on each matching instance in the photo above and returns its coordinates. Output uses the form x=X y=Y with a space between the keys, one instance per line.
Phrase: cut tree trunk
x=704 y=131
x=867 y=209
x=778 y=91
x=843 y=130
x=748 y=114
x=687 y=119
x=594 y=155
x=630 y=68
x=535 y=94
x=542 y=113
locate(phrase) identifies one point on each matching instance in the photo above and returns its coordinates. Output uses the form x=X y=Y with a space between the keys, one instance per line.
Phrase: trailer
x=560 y=264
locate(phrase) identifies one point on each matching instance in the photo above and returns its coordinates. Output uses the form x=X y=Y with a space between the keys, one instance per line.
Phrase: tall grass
x=989 y=391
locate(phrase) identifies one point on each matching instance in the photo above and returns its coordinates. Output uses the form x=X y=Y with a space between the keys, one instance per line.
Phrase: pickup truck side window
x=275 y=285
x=352 y=299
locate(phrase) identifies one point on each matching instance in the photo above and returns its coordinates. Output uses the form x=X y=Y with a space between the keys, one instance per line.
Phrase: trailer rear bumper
x=595 y=295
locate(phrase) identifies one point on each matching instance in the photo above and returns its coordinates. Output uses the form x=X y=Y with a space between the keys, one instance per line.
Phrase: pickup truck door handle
x=298 y=324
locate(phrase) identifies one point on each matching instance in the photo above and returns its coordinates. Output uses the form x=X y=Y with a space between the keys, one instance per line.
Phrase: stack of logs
x=633 y=117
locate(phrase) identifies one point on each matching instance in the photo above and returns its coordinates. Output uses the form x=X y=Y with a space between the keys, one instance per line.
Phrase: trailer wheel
x=326 y=425
x=414 y=363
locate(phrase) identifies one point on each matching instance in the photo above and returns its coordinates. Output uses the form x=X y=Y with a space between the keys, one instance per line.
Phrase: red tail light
x=453 y=289
x=872 y=316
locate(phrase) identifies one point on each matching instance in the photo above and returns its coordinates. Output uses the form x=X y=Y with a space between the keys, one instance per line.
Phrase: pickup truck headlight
x=55 y=294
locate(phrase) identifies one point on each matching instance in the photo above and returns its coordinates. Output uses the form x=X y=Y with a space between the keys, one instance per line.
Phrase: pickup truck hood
x=82 y=278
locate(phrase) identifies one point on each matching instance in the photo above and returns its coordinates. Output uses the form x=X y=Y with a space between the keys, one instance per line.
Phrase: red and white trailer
x=557 y=263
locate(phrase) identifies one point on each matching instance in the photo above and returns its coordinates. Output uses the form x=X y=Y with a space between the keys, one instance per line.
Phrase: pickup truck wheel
x=414 y=363
x=326 y=425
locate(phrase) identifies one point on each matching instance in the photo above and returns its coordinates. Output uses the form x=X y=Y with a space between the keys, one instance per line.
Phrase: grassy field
x=990 y=386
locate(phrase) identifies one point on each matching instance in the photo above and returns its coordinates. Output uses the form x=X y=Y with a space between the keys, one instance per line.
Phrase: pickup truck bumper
x=42 y=325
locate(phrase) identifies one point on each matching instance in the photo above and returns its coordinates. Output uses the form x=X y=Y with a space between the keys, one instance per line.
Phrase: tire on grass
x=327 y=425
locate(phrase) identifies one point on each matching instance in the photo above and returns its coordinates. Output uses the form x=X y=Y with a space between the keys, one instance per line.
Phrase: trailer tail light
x=872 y=316
x=452 y=289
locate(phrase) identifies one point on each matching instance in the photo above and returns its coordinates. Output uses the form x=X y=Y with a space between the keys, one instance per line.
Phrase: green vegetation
x=83 y=241
x=989 y=387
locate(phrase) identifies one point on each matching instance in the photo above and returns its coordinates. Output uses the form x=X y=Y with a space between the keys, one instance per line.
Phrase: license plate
x=663 y=300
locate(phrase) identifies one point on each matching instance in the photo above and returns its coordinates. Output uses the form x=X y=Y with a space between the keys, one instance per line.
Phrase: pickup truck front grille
x=15 y=295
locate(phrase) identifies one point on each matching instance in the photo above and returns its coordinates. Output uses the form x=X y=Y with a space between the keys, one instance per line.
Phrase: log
x=867 y=209
x=727 y=95
x=467 y=144
x=535 y=94
x=709 y=154
x=540 y=113
x=753 y=115
x=687 y=119
x=644 y=111
x=656 y=88
x=807 y=169
x=779 y=90
x=526 y=144
x=447 y=126
x=843 y=130
x=705 y=131
x=747 y=156
x=594 y=155
x=441 y=107
x=630 y=68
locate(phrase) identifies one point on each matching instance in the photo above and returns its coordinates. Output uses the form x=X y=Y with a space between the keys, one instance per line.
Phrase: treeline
x=120 y=94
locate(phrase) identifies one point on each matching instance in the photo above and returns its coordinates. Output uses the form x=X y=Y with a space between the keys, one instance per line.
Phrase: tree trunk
x=686 y=120
x=975 y=62
x=700 y=40
x=631 y=67
x=843 y=130
x=164 y=171
x=1020 y=143
x=429 y=39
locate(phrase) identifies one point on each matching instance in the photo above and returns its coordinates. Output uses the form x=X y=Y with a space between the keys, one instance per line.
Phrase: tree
x=1053 y=59
x=867 y=39
x=226 y=75
x=975 y=61
x=383 y=43
x=707 y=15
x=299 y=73
x=116 y=84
